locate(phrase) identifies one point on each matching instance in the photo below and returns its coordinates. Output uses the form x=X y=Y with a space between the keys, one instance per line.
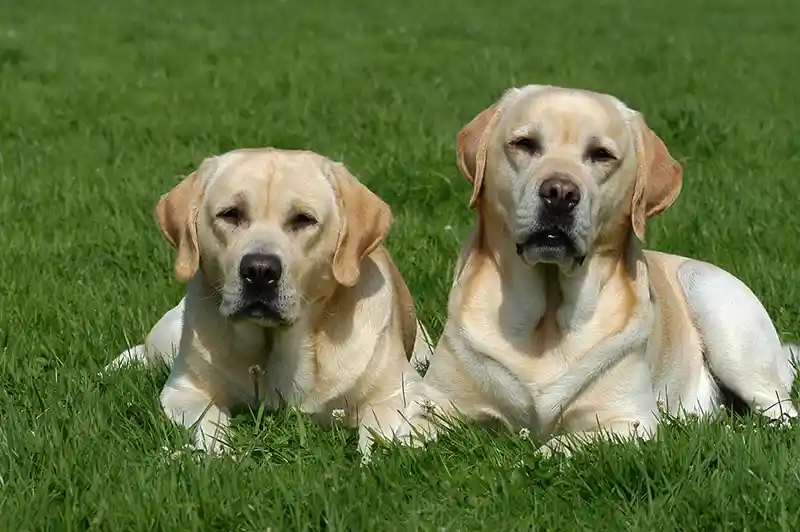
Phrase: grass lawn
x=104 y=105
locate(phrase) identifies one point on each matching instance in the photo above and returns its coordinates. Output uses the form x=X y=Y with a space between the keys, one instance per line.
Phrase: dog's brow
x=298 y=205
x=529 y=130
x=237 y=199
x=520 y=131
x=598 y=140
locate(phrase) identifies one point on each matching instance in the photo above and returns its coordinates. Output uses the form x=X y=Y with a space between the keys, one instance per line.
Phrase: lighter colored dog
x=559 y=324
x=291 y=297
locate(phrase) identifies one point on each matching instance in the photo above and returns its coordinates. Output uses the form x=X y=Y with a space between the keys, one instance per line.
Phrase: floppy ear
x=471 y=145
x=176 y=213
x=365 y=222
x=659 y=177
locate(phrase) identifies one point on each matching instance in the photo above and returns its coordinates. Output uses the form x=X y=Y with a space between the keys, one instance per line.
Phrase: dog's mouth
x=547 y=238
x=262 y=312
x=549 y=245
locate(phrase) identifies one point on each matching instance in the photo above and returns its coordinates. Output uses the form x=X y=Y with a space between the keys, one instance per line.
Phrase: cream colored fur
x=595 y=340
x=343 y=328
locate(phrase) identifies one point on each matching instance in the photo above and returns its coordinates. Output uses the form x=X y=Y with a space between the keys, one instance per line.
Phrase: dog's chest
x=290 y=375
x=273 y=370
x=516 y=355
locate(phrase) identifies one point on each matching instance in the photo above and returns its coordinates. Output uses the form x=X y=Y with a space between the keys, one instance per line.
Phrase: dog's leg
x=375 y=422
x=387 y=418
x=431 y=411
x=187 y=405
x=742 y=347
x=161 y=343
x=565 y=444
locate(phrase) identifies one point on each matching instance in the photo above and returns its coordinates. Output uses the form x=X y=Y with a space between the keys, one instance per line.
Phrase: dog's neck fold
x=571 y=297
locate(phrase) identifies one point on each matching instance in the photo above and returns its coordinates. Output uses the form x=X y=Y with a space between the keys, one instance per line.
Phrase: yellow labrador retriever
x=291 y=299
x=558 y=322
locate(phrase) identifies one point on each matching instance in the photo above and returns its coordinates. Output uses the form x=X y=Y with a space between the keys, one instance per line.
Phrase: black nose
x=559 y=194
x=260 y=269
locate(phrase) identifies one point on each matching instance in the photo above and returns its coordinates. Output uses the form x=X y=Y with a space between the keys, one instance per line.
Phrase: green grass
x=103 y=105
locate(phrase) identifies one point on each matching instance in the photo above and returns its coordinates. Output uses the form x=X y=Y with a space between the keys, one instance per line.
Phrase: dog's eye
x=598 y=154
x=232 y=215
x=529 y=145
x=302 y=220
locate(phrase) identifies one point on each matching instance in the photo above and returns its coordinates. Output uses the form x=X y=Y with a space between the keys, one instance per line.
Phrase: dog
x=559 y=324
x=292 y=298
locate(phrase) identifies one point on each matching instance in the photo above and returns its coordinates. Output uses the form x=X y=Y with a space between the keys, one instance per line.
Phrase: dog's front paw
x=416 y=434
x=213 y=443
x=419 y=423
x=555 y=447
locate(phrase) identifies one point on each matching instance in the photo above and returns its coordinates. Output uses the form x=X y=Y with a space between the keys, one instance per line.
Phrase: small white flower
x=448 y=228
x=524 y=433
x=366 y=459
x=338 y=415
x=174 y=455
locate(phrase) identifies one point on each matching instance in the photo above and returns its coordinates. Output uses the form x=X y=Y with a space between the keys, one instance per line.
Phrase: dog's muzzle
x=552 y=239
x=260 y=275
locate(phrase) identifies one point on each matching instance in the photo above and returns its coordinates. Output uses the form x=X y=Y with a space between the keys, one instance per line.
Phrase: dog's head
x=272 y=231
x=567 y=172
